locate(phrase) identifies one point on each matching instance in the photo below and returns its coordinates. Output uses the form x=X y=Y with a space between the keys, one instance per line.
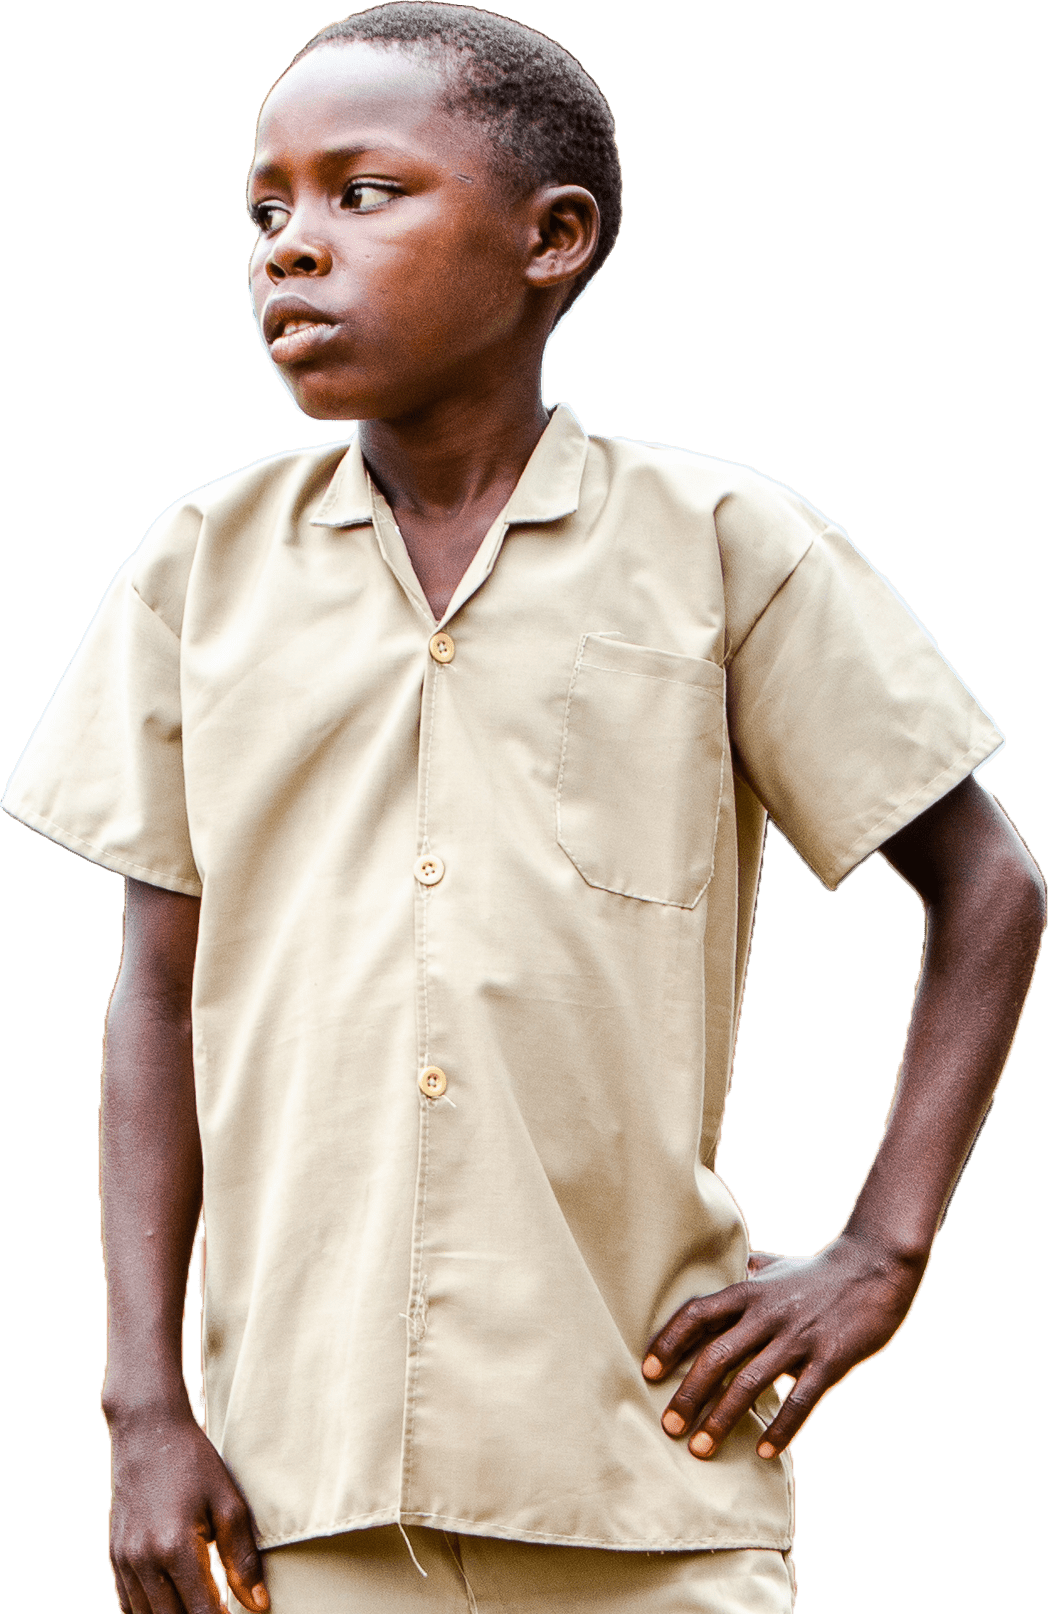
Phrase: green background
x=825 y=270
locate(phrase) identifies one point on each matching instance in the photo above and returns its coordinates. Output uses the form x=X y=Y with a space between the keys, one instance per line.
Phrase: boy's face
x=389 y=269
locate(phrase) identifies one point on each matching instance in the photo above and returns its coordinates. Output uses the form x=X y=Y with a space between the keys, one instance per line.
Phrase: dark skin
x=436 y=278
x=814 y=1319
x=425 y=285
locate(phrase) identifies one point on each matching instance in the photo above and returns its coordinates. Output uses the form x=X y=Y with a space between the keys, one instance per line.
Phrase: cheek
x=258 y=280
x=467 y=277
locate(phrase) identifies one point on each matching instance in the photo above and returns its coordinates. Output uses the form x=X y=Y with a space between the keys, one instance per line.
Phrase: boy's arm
x=171 y=1492
x=814 y=1319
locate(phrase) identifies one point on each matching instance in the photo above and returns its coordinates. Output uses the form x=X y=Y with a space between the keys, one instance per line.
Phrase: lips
x=295 y=329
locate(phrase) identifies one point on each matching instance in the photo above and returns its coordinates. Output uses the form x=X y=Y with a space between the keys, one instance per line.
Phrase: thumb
x=240 y=1557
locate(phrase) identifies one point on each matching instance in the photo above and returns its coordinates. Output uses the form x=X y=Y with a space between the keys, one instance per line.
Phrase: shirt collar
x=548 y=488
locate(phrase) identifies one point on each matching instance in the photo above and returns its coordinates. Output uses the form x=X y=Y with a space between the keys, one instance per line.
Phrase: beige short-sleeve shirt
x=476 y=899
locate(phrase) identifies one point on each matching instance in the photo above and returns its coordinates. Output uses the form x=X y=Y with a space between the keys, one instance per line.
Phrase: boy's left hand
x=812 y=1319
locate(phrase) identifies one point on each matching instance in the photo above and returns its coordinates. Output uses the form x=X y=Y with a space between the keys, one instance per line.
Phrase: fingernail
x=701 y=1444
x=766 y=1450
x=260 y=1597
x=652 y=1367
x=673 y=1423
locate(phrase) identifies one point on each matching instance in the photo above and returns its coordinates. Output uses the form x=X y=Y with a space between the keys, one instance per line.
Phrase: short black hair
x=539 y=103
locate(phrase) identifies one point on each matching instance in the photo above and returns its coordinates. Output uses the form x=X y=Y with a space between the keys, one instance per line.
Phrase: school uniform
x=476 y=904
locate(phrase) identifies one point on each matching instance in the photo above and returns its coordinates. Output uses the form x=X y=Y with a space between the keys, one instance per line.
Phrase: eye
x=363 y=196
x=270 y=216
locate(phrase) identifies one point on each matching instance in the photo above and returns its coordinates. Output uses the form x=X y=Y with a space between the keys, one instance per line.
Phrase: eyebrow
x=329 y=156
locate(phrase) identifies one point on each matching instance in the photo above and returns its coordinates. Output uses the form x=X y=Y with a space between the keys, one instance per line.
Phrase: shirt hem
x=93 y=854
x=932 y=791
x=781 y=1541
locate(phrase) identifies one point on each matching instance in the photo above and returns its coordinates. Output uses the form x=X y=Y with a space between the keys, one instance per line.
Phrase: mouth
x=294 y=330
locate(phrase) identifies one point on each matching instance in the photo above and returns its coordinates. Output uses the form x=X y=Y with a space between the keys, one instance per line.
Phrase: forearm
x=171 y=1492
x=151 y=1172
x=984 y=927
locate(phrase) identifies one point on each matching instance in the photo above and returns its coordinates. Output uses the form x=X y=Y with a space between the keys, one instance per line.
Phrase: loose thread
x=411 y=1550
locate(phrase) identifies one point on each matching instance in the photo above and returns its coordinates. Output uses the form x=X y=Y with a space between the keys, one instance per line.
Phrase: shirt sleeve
x=102 y=774
x=844 y=718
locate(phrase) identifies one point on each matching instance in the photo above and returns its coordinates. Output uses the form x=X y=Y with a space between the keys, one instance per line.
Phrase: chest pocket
x=641 y=770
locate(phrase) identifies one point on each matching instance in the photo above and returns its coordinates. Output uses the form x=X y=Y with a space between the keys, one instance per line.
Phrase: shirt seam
x=95 y=854
x=424 y=846
x=871 y=839
x=513 y=1533
x=779 y=1542
x=731 y=651
x=416 y=1300
x=144 y=603
x=415 y=1320
x=659 y=678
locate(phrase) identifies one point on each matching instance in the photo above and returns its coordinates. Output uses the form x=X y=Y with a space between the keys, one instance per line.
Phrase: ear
x=564 y=230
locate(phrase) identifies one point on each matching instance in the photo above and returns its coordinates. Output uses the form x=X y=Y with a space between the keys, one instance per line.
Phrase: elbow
x=1017 y=899
x=1034 y=901
x=1025 y=882
x=991 y=891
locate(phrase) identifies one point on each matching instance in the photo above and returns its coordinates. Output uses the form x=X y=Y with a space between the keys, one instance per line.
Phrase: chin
x=327 y=397
x=331 y=412
x=322 y=403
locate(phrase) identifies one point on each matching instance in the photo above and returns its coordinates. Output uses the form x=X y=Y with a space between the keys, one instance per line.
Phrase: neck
x=461 y=454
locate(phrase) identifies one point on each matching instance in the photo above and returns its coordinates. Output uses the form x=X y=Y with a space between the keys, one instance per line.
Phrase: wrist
x=889 y=1250
x=126 y=1410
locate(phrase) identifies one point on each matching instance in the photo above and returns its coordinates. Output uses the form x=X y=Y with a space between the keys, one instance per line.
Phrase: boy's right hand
x=172 y=1495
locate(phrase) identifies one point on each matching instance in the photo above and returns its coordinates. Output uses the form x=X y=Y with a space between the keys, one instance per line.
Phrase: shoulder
x=746 y=505
x=234 y=511
x=763 y=529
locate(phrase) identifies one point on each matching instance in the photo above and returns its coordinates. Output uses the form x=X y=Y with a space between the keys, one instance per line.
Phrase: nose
x=297 y=252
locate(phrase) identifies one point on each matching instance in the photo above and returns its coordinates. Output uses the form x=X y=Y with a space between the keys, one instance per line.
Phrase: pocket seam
x=656 y=678
x=636 y=896
x=667 y=677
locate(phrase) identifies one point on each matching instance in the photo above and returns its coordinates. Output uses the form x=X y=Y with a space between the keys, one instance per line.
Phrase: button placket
x=431 y=1081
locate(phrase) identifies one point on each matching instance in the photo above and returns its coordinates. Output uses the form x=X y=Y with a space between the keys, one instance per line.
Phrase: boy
x=569 y=967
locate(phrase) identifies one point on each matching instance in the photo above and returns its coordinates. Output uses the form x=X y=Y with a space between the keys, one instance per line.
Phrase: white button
x=429 y=870
x=442 y=648
x=433 y=1082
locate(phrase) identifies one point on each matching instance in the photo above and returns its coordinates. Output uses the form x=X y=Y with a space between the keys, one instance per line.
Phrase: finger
x=194 y=1582
x=691 y=1324
x=719 y=1417
x=811 y=1385
x=705 y=1380
x=121 y=1590
x=138 y=1598
x=241 y=1559
x=162 y=1593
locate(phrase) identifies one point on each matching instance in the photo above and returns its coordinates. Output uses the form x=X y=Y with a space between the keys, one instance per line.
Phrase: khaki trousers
x=371 y=1571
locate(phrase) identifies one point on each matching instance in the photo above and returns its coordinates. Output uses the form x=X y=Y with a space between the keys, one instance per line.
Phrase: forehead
x=365 y=96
